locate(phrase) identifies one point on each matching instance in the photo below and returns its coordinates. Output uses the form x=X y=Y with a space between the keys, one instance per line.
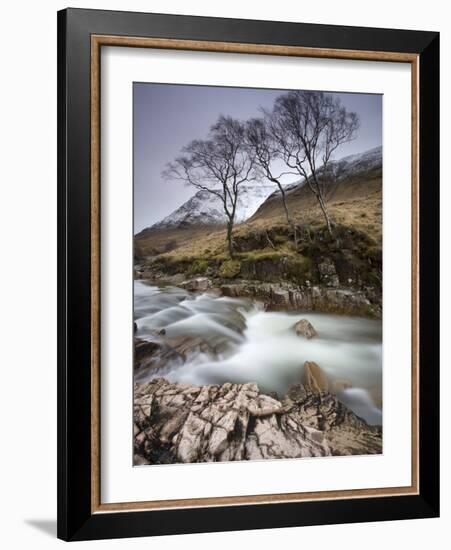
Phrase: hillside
x=354 y=200
x=342 y=274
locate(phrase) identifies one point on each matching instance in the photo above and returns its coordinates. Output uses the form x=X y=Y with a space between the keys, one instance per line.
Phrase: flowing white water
x=258 y=346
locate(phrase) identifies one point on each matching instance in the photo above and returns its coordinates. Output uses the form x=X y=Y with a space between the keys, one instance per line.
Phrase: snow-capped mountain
x=355 y=164
x=203 y=208
x=352 y=165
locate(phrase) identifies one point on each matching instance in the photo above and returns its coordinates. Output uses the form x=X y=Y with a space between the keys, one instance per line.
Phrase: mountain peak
x=203 y=208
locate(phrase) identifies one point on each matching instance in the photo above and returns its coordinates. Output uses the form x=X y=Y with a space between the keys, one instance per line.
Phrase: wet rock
x=176 y=279
x=233 y=291
x=280 y=298
x=186 y=423
x=235 y=321
x=154 y=356
x=198 y=284
x=145 y=352
x=287 y=297
x=315 y=379
x=301 y=299
x=343 y=301
x=305 y=329
x=189 y=345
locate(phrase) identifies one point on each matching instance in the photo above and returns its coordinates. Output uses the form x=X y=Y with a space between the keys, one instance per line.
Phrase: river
x=260 y=346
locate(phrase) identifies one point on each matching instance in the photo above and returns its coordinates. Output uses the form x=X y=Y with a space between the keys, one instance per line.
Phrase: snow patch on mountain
x=352 y=165
x=355 y=164
x=203 y=208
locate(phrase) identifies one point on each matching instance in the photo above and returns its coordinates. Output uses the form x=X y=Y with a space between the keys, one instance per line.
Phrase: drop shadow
x=46 y=526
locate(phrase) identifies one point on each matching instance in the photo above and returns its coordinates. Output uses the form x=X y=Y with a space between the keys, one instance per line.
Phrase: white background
x=119 y=481
x=28 y=293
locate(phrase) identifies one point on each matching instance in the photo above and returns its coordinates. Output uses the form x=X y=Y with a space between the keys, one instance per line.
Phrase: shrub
x=198 y=267
x=229 y=269
x=299 y=269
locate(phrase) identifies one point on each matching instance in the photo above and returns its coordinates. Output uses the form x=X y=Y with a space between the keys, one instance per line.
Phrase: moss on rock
x=229 y=269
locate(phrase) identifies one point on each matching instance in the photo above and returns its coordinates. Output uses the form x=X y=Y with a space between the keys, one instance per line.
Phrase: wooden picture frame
x=81 y=35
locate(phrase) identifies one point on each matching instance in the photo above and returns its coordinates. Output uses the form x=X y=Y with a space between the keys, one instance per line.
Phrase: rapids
x=259 y=346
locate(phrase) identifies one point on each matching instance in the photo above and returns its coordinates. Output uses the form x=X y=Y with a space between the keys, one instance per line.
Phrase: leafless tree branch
x=218 y=165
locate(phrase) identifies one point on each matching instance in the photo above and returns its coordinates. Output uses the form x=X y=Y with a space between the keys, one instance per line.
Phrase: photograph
x=248 y=272
x=257 y=267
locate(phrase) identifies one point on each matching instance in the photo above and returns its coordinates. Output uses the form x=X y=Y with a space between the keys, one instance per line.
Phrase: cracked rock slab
x=182 y=423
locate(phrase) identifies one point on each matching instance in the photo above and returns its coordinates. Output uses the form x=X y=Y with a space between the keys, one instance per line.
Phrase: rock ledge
x=185 y=423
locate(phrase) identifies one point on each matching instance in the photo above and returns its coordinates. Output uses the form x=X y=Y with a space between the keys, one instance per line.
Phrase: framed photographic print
x=248 y=274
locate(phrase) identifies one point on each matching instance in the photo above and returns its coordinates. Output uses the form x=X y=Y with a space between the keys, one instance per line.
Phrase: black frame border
x=75 y=520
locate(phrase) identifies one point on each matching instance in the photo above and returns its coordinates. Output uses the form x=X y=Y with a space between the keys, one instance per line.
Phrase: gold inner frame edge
x=97 y=41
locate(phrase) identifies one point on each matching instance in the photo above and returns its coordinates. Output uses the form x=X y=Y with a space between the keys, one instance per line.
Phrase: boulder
x=314 y=378
x=198 y=284
x=305 y=329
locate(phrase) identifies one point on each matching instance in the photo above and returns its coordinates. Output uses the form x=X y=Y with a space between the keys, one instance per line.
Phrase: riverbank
x=283 y=296
x=203 y=337
x=186 y=423
x=341 y=275
x=221 y=378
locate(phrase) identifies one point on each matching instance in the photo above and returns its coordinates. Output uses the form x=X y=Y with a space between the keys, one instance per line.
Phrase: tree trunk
x=316 y=190
x=326 y=215
x=287 y=215
x=230 y=238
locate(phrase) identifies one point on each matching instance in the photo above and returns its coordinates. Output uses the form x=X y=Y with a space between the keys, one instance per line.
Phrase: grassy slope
x=151 y=242
x=353 y=203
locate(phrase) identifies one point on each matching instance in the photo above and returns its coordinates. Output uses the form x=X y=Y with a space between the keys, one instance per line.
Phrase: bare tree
x=308 y=127
x=218 y=165
x=266 y=154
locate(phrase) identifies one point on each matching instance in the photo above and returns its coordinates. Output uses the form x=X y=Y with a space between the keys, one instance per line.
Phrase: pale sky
x=168 y=116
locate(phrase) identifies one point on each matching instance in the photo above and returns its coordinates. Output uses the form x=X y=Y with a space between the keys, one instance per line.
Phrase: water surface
x=259 y=346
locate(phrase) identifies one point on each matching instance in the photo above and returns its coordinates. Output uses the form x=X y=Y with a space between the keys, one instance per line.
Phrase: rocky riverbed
x=186 y=423
x=224 y=378
x=285 y=296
